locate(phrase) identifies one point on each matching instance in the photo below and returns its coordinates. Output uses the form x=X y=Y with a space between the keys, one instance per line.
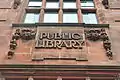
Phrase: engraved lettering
x=59 y=40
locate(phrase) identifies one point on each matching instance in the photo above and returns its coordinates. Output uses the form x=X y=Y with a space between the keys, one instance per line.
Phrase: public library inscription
x=60 y=43
x=59 y=40
x=56 y=38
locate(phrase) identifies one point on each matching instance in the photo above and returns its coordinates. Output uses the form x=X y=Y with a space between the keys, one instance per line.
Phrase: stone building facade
x=47 y=40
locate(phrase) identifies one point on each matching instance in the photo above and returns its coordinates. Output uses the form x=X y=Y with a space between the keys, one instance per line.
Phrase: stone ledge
x=60 y=25
x=24 y=66
x=81 y=59
x=55 y=58
x=37 y=59
x=77 y=59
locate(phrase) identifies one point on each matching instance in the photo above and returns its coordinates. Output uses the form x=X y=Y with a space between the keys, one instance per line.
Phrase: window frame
x=51 y=13
x=67 y=1
x=35 y=14
x=34 y=6
x=66 y=20
x=57 y=2
x=87 y=6
x=95 y=18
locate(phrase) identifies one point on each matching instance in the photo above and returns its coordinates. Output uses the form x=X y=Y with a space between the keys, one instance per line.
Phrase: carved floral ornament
x=23 y=34
x=100 y=35
x=56 y=40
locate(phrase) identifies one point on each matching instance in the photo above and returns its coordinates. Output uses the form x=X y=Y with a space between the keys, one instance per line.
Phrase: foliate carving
x=24 y=34
x=106 y=44
x=92 y=35
x=107 y=47
x=27 y=34
x=16 y=3
x=10 y=54
x=100 y=35
x=16 y=35
x=95 y=35
x=104 y=36
x=109 y=54
x=105 y=3
x=17 y=32
x=13 y=44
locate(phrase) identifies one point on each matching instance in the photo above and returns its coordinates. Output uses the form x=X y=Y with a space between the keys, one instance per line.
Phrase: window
x=89 y=18
x=52 y=4
x=87 y=4
x=31 y=18
x=51 y=17
x=35 y=3
x=69 y=17
x=70 y=5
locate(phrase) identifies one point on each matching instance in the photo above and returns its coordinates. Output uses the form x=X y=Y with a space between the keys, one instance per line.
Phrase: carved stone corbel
x=16 y=4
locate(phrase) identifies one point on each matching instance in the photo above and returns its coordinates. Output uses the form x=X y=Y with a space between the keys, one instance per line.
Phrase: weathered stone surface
x=94 y=51
x=114 y=3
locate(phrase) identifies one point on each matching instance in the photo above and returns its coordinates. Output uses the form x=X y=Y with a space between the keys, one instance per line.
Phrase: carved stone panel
x=60 y=43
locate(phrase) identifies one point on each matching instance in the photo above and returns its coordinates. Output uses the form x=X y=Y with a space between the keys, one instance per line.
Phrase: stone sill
x=77 y=59
x=61 y=25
